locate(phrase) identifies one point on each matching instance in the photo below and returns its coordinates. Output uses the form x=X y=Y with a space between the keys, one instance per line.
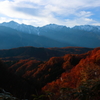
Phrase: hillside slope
x=17 y=86
x=68 y=71
x=86 y=72
x=41 y=54
x=45 y=71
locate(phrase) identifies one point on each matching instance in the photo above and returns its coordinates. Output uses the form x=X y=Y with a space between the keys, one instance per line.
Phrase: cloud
x=83 y=14
x=79 y=21
x=42 y=12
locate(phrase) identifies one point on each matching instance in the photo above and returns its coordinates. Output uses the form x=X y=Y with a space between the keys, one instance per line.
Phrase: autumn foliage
x=59 y=74
x=88 y=68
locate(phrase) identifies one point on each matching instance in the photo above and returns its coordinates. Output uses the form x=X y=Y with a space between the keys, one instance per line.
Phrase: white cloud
x=80 y=21
x=4 y=19
x=84 y=14
x=42 y=12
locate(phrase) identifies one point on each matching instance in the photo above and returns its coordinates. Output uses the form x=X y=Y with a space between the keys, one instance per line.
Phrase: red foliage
x=87 y=67
x=58 y=72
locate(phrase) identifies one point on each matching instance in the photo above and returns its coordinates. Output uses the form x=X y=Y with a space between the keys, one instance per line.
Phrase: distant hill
x=41 y=54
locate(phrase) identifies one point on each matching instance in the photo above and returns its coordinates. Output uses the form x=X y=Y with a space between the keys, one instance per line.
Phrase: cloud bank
x=42 y=12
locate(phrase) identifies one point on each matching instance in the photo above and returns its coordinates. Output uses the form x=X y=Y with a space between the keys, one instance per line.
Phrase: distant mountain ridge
x=36 y=30
x=51 y=35
x=29 y=28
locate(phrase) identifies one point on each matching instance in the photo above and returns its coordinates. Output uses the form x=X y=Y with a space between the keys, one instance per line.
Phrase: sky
x=42 y=12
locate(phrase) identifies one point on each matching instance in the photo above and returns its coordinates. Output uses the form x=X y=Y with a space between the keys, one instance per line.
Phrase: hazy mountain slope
x=11 y=38
x=77 y=37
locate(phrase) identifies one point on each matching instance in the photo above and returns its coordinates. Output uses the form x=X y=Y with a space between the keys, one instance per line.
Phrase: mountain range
x=13 y=34
x=36 y=30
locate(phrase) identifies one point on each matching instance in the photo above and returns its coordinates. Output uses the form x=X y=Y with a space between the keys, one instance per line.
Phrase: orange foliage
x=67 y=71
x=86 y=68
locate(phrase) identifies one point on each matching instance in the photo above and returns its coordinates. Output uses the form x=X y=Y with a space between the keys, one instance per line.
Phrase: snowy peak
x=20 y=27
x=53 y=27
x=88 y=28
x=50 y=27
x=10 y=24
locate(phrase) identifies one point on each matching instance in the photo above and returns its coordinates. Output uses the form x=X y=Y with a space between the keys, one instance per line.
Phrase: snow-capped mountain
x=48 y=35
x=53 y=27
x=37 y=30
x=88 y=28
x=31 y=29
x=21 y=27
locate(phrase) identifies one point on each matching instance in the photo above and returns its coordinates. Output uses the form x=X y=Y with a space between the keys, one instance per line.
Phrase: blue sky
x=43 y=12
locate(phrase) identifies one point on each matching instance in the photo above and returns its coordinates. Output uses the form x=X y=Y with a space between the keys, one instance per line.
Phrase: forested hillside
x=72 y=71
